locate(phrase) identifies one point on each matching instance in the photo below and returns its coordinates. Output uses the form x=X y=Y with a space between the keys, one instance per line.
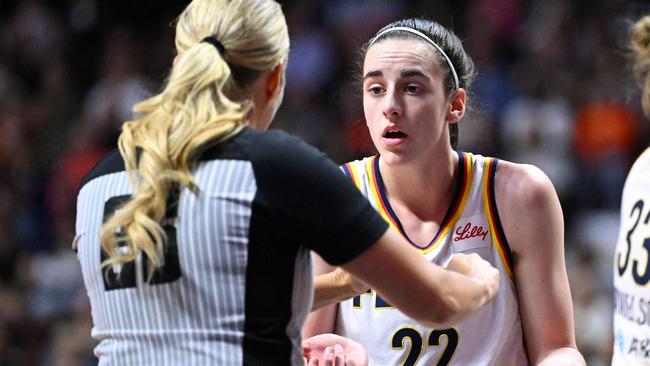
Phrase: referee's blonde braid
x=640 y=45
x=204 y=100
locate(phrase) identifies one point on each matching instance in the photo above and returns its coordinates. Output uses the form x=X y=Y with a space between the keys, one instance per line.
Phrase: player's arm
x=532 y=220
x=426 y=292
x=333 y=284
x=327 y=292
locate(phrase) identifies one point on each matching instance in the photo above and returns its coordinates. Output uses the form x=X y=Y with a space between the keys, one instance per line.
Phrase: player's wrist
x=347 y=284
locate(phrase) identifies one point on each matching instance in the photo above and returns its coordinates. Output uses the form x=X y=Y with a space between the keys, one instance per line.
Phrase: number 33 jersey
x=632 y=270
x=492 y=336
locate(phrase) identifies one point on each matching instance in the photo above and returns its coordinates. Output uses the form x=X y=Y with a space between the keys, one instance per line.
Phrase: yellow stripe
x=490 y=217
x=374 y=194
x=352 y=167
x=464 y=196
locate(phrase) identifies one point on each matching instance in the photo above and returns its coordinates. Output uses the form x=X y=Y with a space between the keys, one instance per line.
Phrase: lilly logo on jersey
x=470 y=231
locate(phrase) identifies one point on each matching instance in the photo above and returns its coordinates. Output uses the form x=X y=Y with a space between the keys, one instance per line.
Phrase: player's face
x=404 y=101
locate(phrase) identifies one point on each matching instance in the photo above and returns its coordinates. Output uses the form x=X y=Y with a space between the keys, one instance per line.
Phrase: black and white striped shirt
x=236 y=284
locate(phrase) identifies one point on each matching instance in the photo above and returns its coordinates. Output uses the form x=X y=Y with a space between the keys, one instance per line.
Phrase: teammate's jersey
x=494 y=335
x=236 y=283
x=632 y=270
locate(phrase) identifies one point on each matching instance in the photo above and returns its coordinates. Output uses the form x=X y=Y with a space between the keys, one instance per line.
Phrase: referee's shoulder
x=275 y=145
x=111 y=163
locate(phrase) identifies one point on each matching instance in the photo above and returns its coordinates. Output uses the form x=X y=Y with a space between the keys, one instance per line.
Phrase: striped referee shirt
x=236 y=284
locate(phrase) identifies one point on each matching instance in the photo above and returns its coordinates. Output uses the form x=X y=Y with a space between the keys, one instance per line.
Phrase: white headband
x=424 y=36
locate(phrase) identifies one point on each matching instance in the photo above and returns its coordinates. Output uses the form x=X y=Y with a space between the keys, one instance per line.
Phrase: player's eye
x=376 y=90
x=412 y=89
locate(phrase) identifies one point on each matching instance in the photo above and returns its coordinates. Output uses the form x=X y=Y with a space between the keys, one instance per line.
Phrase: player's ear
x=456 y=109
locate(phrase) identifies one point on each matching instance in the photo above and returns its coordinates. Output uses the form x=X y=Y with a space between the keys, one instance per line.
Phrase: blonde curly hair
x=204 y=100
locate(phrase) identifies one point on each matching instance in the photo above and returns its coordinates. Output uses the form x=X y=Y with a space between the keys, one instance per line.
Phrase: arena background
x=553 y=89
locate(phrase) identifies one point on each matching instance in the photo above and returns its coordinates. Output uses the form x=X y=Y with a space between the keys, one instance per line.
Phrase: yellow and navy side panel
x=377 y=194
x=492 y=214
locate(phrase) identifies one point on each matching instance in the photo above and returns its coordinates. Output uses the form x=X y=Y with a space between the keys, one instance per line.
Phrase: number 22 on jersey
x=415 y=338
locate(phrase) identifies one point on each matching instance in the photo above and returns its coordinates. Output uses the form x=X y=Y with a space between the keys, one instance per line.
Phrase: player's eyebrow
x=413 y=72
x=371 y=74
x=403 y=74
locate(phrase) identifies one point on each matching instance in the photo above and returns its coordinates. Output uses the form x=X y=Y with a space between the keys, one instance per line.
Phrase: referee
x=194 y=236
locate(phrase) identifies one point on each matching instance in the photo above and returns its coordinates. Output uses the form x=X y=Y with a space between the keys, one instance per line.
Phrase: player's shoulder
x=112 y=162
x=522 y=183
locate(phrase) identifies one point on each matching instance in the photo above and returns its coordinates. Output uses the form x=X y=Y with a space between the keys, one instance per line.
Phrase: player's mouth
x=393 y=136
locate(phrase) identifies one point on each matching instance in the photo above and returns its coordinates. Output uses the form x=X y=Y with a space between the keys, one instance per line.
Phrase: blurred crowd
x=554 y=89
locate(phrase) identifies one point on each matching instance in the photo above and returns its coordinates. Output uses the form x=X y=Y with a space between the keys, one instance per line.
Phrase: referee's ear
x=274 y=80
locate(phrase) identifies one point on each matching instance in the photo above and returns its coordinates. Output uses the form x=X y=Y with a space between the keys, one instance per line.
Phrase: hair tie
x=426 y=38
x=215 y=42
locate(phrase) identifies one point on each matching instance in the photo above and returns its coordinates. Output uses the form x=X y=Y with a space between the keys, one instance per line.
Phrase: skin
x=331 y=349
x=403 y=91
x=453 y=296
x=267 y=93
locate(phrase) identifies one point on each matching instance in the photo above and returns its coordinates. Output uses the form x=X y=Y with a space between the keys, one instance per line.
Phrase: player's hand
x=333 y=350
x=474 y=266
x=346 y=280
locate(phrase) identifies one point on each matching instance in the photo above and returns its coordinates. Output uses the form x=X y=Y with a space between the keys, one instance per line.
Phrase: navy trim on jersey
x=493 y=206
x=450 y=210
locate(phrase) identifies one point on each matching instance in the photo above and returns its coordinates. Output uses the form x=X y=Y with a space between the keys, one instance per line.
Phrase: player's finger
x=339 y=355
x=313 y=361
x=328 y=357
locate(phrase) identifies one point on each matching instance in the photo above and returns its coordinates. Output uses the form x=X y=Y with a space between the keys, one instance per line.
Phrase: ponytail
x=204 y=101
x=191 y=111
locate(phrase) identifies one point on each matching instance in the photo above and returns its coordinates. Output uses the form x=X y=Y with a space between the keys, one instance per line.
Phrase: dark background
x=553 y=89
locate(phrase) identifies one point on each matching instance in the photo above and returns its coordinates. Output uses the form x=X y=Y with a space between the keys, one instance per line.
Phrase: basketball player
x=632 y=258
x=416 y=78
x=192 y=236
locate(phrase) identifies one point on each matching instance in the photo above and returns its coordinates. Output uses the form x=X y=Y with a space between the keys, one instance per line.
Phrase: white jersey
x=494 y=335
x=632 y=270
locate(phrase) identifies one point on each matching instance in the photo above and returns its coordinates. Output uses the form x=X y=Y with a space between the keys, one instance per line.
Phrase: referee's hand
x=473 y=265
